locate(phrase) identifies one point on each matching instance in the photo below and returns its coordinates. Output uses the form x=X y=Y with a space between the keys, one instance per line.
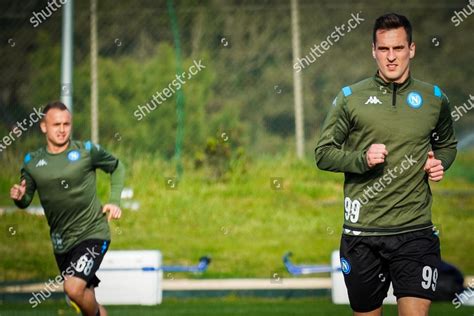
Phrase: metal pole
x=297 y=81
x=94 y=76
x=179 y=93
x=66 y=56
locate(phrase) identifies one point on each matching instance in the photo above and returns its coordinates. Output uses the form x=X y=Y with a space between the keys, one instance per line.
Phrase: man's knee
x=409 y=306
x=74 y=289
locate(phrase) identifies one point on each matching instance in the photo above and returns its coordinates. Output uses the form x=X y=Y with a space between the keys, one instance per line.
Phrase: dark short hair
x=392 y=21
x=54 y=105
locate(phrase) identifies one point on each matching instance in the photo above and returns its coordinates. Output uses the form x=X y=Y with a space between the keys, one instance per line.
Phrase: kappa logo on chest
x=373 y=100
x=41 y=163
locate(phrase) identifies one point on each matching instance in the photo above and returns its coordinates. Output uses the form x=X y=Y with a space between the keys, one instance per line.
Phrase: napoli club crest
x=73 y=155
x=415 y=100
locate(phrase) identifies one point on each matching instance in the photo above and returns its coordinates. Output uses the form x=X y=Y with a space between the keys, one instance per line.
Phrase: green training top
x=410 y=119
x=66 y=184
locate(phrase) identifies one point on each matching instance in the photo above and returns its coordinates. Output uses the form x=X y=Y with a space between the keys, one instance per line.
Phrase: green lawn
x=245 y=223
x=226 y=307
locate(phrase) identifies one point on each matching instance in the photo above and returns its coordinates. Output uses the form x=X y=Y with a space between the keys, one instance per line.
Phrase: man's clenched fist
x=434 y=168
x=114 y=211
x=376 y=154
x=18 y=190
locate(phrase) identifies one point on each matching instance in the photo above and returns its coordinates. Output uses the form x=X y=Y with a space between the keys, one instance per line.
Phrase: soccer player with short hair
x=64 y=174
x=389 y=134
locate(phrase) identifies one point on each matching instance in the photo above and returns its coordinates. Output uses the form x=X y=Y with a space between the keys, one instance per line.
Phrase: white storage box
x=131 y=277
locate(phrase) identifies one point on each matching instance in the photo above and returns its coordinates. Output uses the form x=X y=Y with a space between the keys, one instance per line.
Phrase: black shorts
x=83 y=260
x=369 y=263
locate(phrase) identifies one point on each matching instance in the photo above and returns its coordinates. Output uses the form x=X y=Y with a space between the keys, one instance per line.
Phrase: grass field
x=227 y=307
x=245 y=223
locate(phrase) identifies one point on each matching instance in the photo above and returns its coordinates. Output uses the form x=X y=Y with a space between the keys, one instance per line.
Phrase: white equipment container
x=130 y=277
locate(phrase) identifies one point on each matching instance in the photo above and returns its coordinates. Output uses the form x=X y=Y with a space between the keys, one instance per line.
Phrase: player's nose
x=391 y=55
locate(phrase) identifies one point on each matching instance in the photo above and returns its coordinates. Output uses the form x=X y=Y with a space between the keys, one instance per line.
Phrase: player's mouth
x=391 y=67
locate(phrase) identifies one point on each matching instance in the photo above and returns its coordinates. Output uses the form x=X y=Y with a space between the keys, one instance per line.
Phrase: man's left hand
x=114 y=211
x=434 y=168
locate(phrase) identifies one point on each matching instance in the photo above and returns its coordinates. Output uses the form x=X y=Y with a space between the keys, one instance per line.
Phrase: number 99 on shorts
x=430 y=277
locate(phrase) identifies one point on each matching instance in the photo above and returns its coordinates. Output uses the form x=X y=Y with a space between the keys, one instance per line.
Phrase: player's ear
x=373 y=50
x=43 y=125
x=412 y=50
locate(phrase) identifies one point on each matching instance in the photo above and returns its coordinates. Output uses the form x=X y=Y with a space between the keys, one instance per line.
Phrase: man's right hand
x=18 y=190
x=376 y=155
